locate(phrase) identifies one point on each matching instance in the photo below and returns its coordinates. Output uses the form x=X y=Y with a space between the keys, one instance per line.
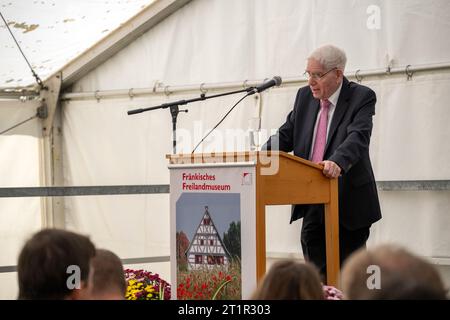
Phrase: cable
x=38 y=80
x=20 y=123
x=221 y=120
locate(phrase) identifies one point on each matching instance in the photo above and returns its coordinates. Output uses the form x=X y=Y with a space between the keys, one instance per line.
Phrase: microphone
x=275 y=81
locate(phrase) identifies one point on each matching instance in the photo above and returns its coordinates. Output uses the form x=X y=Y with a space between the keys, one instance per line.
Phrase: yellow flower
x=141 y=285
x=149 y=289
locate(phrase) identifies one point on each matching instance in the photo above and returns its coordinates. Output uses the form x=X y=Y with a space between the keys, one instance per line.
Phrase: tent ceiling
x=51 y=33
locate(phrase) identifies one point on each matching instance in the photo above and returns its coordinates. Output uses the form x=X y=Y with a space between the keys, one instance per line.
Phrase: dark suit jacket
x=347 y=145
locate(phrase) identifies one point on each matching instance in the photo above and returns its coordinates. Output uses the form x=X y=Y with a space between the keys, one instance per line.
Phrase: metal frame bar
x=407 y=185
x=83 y=191
x=160 y=88
x=358 y=75
x=411 y=185
x=8 y=269
x=414 y=185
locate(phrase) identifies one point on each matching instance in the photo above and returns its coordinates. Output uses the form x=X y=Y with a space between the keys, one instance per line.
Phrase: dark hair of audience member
x=44 y=265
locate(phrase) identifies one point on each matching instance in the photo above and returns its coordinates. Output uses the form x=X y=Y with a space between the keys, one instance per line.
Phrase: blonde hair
x=290 y=280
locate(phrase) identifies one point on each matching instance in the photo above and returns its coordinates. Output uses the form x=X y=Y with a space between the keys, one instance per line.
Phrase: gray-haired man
x=331 y=124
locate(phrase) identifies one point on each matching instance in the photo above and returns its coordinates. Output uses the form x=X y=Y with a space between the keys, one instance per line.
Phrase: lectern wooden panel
x=282 y=179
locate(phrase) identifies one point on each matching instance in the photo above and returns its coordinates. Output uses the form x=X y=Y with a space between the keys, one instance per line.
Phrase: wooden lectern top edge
x=227 y=156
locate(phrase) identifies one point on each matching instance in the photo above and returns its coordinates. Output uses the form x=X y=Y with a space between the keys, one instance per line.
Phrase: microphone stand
x=174 y=109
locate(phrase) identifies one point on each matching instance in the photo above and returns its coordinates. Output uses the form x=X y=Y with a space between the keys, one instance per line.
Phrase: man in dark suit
x=331 y=124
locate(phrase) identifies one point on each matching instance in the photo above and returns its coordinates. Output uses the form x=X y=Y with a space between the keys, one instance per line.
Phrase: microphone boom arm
x=174 y=109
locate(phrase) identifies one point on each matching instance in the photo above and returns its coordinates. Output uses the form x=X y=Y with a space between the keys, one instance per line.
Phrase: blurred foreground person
x=107 y=277
x=55 y=264
x=388 y=272
x=290 y=280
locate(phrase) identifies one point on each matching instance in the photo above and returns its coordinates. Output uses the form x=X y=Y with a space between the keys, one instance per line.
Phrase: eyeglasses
x=317 y=76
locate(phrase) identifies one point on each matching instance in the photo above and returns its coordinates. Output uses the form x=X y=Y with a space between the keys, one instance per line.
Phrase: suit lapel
x=341 y=108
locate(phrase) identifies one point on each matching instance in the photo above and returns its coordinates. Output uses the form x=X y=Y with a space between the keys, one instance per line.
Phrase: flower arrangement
x=208 y=285
x=144 y=285
x=332 y=293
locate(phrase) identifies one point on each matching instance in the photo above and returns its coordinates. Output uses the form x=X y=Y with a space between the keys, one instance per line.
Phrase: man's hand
x=330 y=169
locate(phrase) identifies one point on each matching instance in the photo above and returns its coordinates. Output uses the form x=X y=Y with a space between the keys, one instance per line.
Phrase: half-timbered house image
x=207 y=250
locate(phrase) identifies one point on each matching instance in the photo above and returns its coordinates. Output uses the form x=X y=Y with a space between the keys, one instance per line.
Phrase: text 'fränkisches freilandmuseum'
x=204 y=185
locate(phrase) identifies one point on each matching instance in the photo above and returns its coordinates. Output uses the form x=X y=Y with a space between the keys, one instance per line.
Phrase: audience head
x=107 y=277
x=290 y=280
x=401 y=275
x=55 y=264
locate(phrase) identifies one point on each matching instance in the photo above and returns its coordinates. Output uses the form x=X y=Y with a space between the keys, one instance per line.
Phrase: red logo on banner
x=246 y=179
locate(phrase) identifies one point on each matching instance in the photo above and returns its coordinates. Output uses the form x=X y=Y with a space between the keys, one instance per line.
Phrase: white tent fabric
x=134 y=154
x=105 y=146
x=51 y=33
x=200 y=43
x=220 y=41
x=211 y=41
x=19 y=167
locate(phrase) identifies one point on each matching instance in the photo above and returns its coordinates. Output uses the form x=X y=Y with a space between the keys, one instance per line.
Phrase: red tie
x=321 y=133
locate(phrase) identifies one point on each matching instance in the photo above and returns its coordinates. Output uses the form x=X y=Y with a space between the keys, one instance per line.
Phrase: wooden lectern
x=283 y=179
